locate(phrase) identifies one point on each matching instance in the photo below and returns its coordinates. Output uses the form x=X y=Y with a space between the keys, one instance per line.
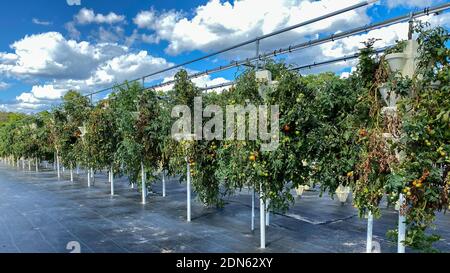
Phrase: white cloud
x=411 y=3
x=50 y=55
x=87 y=16
x=218 y=24
x=23 y=107
x=41 y=22
x=150 y=39
x=4 y=85
x=27 y=98
x=39 y=96
x=74 y=33
x=387 y=35
x=54 y=65
x=73 y=2
x=203 y=81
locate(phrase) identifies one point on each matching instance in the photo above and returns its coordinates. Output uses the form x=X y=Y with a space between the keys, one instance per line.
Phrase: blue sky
x=50 y=46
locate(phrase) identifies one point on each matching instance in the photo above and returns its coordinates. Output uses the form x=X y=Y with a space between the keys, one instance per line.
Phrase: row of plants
x=332 y=132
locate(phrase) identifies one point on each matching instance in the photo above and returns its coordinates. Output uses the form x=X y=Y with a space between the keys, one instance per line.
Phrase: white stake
x=89 y=177
x=369 y=232
x=188 y=190
x=267 y=213
x=23 y=163
x=164 y=184
x=93 y=176
x=401 y=226
x=111 y=177
x=262 y=222
x=253 y=209
x=132 y=185
x=29 y=164
x=144 y=192
x=57 y=166
x=71 y=173
x=37 y=165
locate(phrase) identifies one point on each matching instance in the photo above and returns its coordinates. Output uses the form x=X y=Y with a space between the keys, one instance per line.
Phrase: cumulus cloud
x=73 y=2
x=60 y=64
x=218 y=24
x=87 y=16
x=50 y=55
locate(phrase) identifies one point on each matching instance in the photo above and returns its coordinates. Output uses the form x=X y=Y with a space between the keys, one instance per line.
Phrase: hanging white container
x=299 y=190
x=342 y=193
x=396 y=61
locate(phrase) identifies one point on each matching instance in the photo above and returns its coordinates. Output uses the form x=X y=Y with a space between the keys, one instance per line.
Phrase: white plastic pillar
x=253 y=209
x=163 y=184
x=29 y=164
x=111 y=178
x=71 y=173
x=401 y=226
x=57 y=166
x=23 y=163
x=369 y=232
x=144 y=192
x=262 y=222
x=89 y=177
x=93 y=176
x=188 y=190
x=37 y=165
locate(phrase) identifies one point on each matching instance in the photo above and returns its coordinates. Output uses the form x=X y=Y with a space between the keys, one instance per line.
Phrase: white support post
x=37 y=165
x=29 y=164
x=401 y=226
x=23 y=163
x=267 y=213
x=111 y=178
x=89 y=177
x=78 y=169
x=93 y=176
x=132 y=185
x=144 y=191
x=262 y=222
x=253 y=209
x=57 y=166
x=163 y=184
x=188 y=190
x=71 y=173
x=369 y=232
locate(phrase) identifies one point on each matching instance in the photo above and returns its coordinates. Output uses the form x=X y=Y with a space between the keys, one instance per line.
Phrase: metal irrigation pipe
x=302 y=24
x=311 y=43
x=340 y=59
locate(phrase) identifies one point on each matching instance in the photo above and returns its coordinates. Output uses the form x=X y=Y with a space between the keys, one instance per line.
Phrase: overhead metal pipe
x=302 y=24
